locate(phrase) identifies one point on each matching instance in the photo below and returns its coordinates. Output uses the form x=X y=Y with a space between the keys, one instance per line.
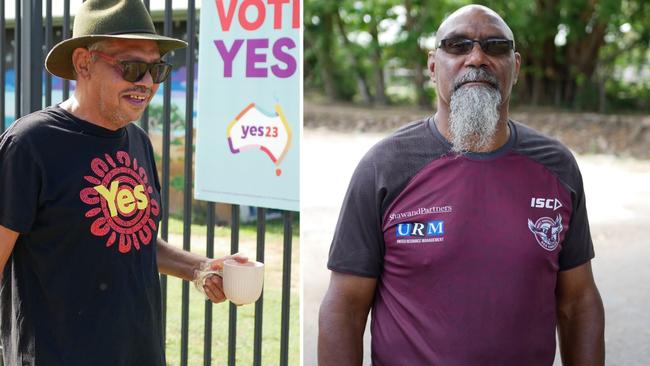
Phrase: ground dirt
x=626 y=135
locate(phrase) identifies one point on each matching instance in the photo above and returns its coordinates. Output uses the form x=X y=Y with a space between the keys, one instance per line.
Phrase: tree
x=572 y=51
x=319 y=29
x=349 y=49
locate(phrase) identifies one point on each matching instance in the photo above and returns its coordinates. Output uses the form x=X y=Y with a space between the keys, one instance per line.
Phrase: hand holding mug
x=208 y=278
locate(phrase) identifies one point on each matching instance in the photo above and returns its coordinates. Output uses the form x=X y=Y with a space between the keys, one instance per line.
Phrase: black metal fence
x=24 y=42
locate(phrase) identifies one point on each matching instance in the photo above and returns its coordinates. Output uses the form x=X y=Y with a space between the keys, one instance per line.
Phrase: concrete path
x=618 y=201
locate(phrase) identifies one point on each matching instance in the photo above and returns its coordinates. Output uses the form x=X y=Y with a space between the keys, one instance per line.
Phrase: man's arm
x=342 y=319
x=185 y=265
x=7 y=241
x=580 y=318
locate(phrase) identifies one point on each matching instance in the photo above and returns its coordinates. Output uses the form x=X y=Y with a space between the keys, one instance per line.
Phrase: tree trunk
x=582 y=50
x=323 y=47
x=377 y=65
x=413 y=29
x=419 y=79
x=362 y=83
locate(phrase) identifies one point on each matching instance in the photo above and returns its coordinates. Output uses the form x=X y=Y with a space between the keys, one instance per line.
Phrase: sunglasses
x=463 y=46
x=134 y=71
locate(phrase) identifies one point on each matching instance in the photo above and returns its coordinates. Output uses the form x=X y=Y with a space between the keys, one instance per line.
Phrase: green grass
x=272 y=298
x=245 y=329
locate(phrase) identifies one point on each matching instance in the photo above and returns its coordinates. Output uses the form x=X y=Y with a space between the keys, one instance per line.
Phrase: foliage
x=580 y=54
x=156 y=114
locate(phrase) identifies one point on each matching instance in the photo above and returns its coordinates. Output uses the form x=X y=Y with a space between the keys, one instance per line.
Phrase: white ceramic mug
x=242 y=282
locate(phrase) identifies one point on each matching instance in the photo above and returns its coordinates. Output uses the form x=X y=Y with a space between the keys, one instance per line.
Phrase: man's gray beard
x=474 y=117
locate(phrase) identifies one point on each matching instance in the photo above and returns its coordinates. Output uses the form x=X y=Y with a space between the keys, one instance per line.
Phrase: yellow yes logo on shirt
x=123 y=199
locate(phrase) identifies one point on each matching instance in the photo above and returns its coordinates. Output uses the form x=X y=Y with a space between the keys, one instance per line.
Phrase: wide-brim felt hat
x=97 y=20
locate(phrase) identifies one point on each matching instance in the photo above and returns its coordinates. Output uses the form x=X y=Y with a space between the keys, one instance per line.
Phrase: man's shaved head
x=489 y=15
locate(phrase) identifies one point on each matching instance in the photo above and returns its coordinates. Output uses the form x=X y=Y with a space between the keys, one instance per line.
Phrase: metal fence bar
x=286 y=286
x=166 y=162
x=144 y=119
x=187 y=189
x=66 y=34
x=259 y=304
x=32 y=75
x=17 y=61
x=2 y=96
x=48 y=47
x=232 y=310
x=2 y=69
x=207 y=329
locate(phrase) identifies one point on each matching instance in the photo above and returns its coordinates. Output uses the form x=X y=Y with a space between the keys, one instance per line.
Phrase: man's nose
x=146 y=80
x=476 y=57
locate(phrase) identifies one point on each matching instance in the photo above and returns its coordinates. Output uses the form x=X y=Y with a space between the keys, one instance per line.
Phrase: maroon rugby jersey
x=466 y=248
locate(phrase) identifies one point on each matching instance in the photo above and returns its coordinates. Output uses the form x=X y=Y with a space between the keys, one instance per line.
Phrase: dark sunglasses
x=133 y=71
x=463 y=46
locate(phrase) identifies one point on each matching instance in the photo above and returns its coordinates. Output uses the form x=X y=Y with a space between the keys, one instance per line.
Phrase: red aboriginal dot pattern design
x=130 y=230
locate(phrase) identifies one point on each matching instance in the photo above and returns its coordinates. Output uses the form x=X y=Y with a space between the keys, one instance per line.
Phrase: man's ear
x=431 y=65
x=80 y=62
x=517 y=66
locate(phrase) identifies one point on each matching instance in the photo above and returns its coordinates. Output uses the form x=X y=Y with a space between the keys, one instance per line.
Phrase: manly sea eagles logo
x=547 y=231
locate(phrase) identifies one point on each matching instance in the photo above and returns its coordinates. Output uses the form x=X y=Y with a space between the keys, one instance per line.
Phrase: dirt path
x=618 y=201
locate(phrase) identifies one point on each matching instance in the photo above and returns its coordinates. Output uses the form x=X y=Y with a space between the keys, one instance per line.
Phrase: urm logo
x=431 y=228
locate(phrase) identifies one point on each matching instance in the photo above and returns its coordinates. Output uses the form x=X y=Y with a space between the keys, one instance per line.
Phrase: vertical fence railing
x=232 y=309
x=144 y=120
x=209 y=251
x=286 y=287
x=166 y=162
x=31 y=76
x=259 y=304
x=17 y=61
x=48 y=46
x=187 y=188
x=2 y=67
x=2 y=90
x=28 y=96
x=65 y=33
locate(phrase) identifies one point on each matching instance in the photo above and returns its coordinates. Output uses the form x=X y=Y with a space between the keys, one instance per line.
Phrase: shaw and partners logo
x=420 y=211
x=420 y=232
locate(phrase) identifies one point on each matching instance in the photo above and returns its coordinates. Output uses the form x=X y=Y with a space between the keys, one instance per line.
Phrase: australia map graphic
x=254 y=128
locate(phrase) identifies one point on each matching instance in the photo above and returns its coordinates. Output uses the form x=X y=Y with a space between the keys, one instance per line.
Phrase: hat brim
x=59 y=60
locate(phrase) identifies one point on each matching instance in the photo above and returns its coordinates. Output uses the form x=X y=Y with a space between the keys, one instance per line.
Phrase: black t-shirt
x=466 y=248
x=81 y=286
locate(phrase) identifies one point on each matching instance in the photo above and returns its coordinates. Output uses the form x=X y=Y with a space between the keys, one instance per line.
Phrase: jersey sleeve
x=20 y=185
x=358 y=247
x=578 y=247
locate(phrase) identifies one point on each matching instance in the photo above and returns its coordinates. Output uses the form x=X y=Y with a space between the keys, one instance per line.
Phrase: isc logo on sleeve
x=421 y=229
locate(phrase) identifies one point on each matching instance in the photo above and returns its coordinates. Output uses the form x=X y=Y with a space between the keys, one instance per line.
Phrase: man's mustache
x=476 y=75
x=138 y=89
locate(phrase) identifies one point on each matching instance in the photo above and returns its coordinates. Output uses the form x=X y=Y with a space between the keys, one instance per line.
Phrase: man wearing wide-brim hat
x=80 y=205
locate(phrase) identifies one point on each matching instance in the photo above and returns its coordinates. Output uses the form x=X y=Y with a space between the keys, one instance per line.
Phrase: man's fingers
x=218 y=263
x=214 y=289
x=240 y=259
x=215 y=295
x=212 y=296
